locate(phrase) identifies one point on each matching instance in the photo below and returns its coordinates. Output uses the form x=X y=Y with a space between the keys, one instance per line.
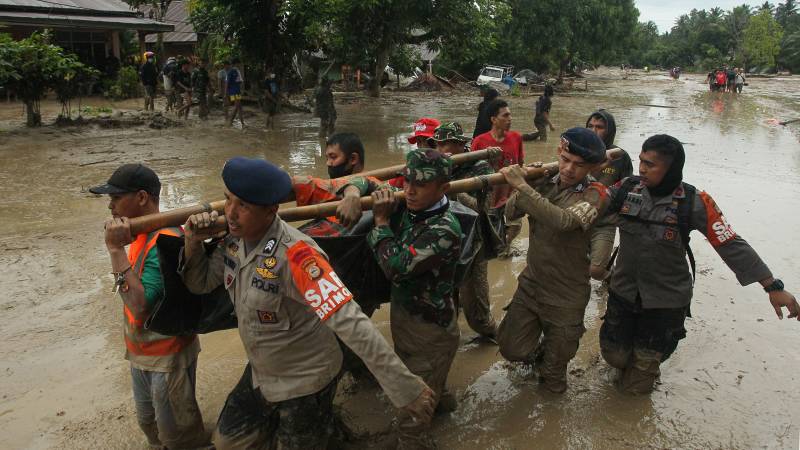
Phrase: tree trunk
x=380 y=66
x=32 y=113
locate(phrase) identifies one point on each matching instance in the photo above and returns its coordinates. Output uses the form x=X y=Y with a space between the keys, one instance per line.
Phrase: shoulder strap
x=685 y=208
x=619 y=197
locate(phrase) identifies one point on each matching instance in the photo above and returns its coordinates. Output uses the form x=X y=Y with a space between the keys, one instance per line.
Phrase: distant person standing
x=325 y=108
x=222 y=86
x=148 y=74
x=167 y=72
x=482 y=122
x=542 y=118
x=271 y=99
x=731 y=78
x=183 y=86
x=234 y=90
x=740 y=80
x=501 y=136
x=201 y=81
x=722 y=79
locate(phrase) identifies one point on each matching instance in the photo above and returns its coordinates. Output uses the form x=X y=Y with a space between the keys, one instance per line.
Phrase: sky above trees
x=664 y=13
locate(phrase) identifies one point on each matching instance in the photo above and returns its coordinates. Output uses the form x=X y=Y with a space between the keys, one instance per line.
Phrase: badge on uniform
x=267 y=316
x=266 y=273
x=269 y=247
x=228 y=280
x=270 y=262
x=311 y=268
x=669 y=234
x=233 y=248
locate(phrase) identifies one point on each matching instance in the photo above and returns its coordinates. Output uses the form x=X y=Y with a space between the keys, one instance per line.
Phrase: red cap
x=423 y=127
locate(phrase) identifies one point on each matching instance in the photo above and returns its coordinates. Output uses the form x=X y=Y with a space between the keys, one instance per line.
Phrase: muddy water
x=731 y=384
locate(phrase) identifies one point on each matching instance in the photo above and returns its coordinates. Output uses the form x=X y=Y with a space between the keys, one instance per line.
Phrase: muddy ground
x=733 y=383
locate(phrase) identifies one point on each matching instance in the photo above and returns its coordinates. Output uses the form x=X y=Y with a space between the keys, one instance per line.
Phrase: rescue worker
x=554 y=288
x=162 y=368
x=201 y=83
x=651 y=286
x=423 y=131
x=183 y=85
x=603 y=124
x=418 y=248
x=325 y=108
x=473 y=295
x=290 y=306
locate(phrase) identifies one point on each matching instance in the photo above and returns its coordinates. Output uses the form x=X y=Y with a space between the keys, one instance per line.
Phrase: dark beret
x=256 y=181
x=585 y=143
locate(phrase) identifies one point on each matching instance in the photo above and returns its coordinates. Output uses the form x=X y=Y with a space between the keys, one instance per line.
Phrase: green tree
x=34 y=66
x=790 y=51
x=762 y=39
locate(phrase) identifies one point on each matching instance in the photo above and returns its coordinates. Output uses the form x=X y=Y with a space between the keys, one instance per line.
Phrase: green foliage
x=790 y=51
x=95 y=110
x=32 y=66
x=762 y=39
x=404 y=59
x=126 y=85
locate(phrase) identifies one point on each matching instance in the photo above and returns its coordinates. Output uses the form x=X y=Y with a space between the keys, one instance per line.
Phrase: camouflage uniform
x=554 y=288
x=473 y=295
x=418 y=253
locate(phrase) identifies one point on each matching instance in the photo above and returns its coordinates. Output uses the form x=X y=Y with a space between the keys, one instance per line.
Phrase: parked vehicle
x=494 y=74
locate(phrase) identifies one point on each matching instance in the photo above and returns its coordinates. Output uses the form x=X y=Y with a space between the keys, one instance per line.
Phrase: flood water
x=733 y=382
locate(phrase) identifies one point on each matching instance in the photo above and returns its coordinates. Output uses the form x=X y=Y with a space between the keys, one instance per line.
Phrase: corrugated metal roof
x=37 y=19
x=107 y=6
x=177 y=16
x=109 y=14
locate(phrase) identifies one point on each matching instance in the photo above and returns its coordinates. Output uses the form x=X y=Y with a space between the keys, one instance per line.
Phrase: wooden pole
x=175 y=217
x=146 y=224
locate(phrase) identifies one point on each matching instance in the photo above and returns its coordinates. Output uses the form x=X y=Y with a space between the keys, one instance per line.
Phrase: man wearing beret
x=418 y=249
x=290 y=306
x=554 y=287
x=473 y=295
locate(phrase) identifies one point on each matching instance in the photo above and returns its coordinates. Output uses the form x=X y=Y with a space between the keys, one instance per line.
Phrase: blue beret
x=586 y=144
x=256 y=181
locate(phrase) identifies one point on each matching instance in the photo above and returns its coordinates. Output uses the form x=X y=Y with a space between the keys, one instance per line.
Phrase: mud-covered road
x=733 y=383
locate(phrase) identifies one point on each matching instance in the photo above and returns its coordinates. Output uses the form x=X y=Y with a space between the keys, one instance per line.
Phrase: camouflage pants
x=637 y=341
x=166 y=408
x=545 y=334
x=248 y=421
x=473 y=297
x=428 y=350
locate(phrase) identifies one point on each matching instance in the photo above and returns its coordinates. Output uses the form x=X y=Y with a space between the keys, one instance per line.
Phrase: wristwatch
x=776 y=285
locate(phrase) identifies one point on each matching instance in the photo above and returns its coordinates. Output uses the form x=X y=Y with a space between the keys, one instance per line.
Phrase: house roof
x=177 y=16
x=108 y=14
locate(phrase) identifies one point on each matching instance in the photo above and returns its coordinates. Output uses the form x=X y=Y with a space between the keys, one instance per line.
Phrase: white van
x=495 y=74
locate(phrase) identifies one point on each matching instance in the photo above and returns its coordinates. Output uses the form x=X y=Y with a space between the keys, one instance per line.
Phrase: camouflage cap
x=425 y=165
x=450 y=131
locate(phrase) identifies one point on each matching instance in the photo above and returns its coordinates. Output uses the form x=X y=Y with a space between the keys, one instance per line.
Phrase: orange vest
x=143 y=343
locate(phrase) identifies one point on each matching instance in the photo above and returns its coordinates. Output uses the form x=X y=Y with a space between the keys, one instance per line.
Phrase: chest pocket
x=263 y=298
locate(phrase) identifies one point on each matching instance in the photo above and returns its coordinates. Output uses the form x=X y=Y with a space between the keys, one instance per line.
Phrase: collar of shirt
x=580 y=187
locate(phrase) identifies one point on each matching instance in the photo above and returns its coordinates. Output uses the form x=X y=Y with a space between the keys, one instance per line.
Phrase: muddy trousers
x=473 y=298
x=636 y=341
x=327 y=123
x=533 y=332
x=248 y=421
x=428 y=350
x=166 y=408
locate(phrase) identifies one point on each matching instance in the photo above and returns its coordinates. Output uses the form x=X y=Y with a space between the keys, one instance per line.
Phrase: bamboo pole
x=152 y=222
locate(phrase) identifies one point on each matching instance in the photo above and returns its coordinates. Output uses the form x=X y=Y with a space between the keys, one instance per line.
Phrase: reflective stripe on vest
x=138 y=340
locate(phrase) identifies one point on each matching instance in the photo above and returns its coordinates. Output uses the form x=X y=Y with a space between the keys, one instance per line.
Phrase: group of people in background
x=726 y=79
x=187 y=82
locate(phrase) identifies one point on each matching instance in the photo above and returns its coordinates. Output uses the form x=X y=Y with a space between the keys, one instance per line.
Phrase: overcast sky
x=665 y=12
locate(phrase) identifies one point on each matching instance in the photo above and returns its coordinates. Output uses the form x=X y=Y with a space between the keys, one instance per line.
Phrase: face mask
x=339 y=171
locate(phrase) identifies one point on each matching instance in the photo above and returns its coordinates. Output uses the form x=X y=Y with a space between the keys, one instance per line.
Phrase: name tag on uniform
x=632 y=205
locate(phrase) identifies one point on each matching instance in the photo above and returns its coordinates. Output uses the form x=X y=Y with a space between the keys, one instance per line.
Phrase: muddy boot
x=640 y=378
x=447 y=403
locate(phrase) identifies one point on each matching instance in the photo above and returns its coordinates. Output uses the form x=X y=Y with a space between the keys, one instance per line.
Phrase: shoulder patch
x=315 y=279
x=718 y=230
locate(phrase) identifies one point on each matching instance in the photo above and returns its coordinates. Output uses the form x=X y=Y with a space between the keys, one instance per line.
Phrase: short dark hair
x=548 y=91
x=664 y=145
x=495 y=106
x=235 y=61
x=349 y=143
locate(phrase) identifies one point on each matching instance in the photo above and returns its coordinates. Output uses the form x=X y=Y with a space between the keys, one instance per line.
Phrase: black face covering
x=673 y=177
x=339 y=171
